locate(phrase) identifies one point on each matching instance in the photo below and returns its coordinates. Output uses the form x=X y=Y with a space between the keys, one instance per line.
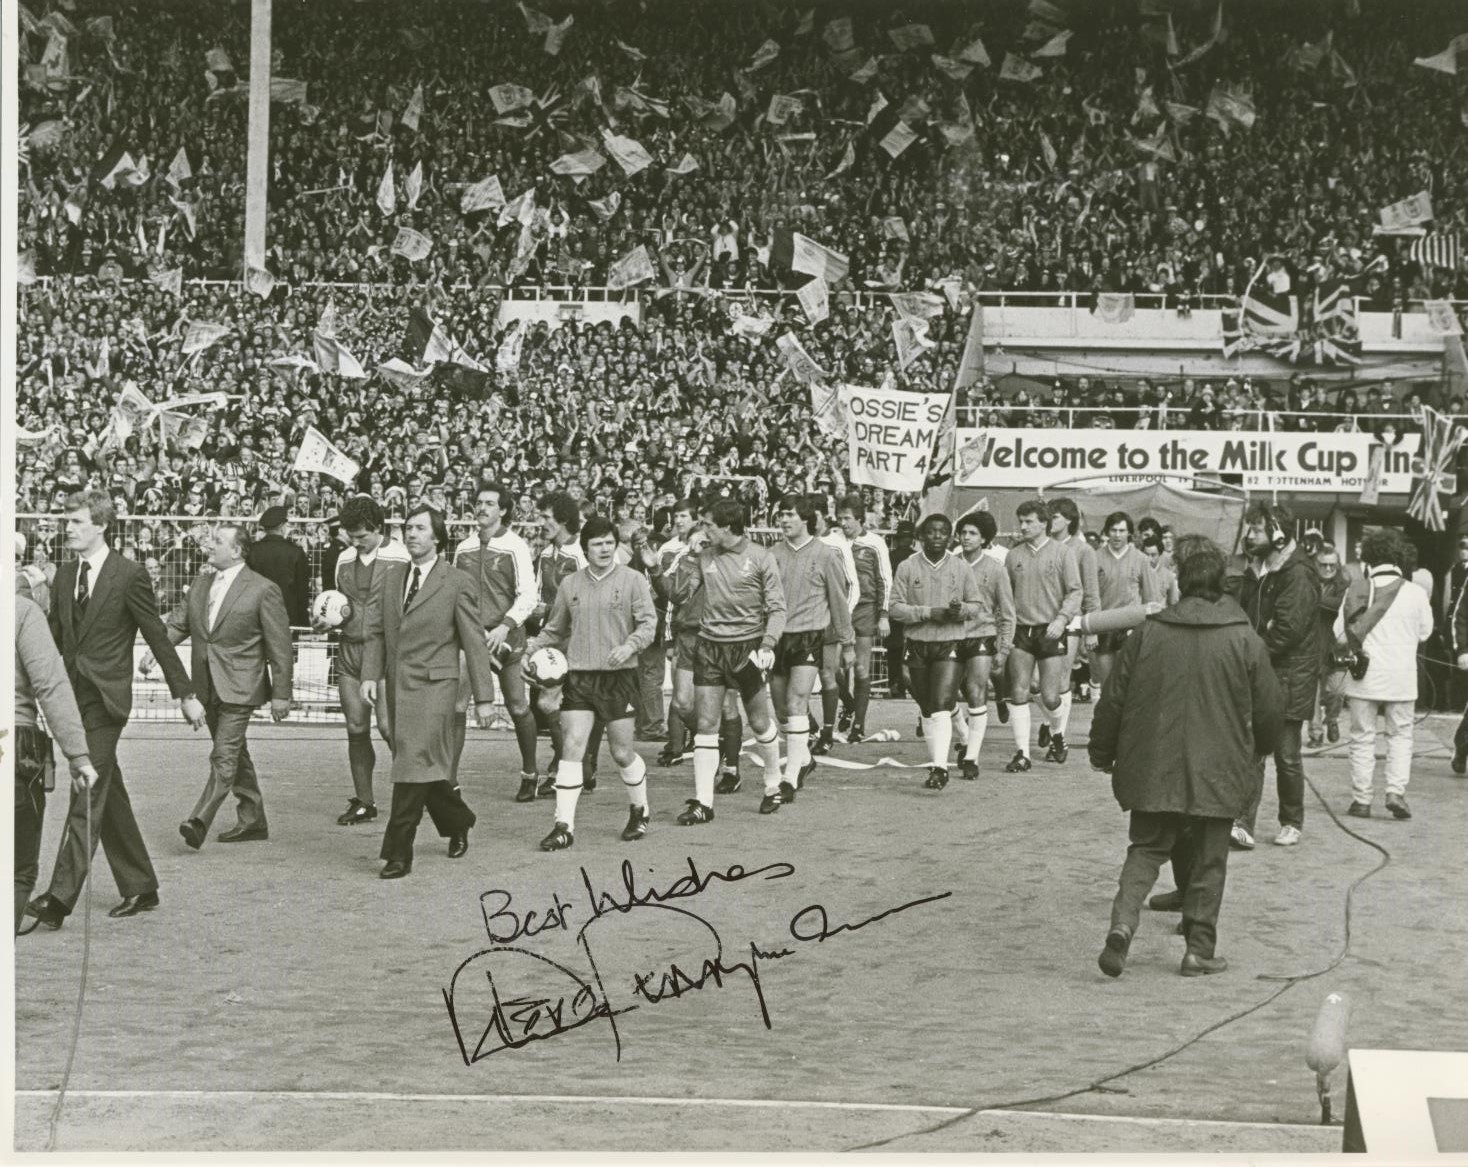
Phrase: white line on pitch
x=632 y=1100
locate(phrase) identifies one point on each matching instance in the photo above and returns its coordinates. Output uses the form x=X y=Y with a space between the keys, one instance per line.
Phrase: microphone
x=1114 y=619
x=1328 y=1046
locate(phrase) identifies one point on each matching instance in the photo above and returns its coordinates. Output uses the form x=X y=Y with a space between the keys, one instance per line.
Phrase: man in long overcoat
x=425 y=615
x=1191 y=704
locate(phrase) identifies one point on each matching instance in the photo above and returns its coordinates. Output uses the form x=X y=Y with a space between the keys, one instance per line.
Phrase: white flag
x=482 y=196
x=686 y=165
x=189 y=215
x=1055 y=46
x=830 y=414
x=1444 y=62
x=1017 y=69
x=259 y=281
x=319 y=456
x=331 y=357
x=218 y=61
x=170 y=281
x=815 y=259
x=400 y=373
x=520 y=209
x=555 y=36
x=415 y=109
x=178 y=169
x=387 y=192
x=815 y=299
x=1409 y=212
x=579 y=164
x=911 y=337
x=848 y=160
x=893 y=227
x=636 y=54
x=288 y=90
x=630 y=155
x=783 y=108
x=801 y=364
x=975 y=54
x=605 y=208
x=201 y=334
x=766 y=53
x=414 y=186
x=910 y=36
x=866 y=72
x=954 y=70
x=507 y=359
x=1441 y=317
x=508 y=98
x=411 y=245
x=632 y=268
x=898 y=139
x=295 y=361
x=917 y=305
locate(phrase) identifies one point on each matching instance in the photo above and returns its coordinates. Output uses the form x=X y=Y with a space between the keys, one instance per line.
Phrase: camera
x=1352 y=660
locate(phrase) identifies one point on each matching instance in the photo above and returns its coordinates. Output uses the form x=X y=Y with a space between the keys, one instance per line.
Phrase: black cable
x=1286 y=983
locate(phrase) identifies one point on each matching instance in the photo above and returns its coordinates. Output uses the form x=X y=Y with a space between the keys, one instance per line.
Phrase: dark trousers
x=30 y=813
x=231 y=771
x=1460 y=737
x=896 y=647
x=450 y=813
x=1289 y=780
x=1154 y=838
x=650 y=668
x=113 y=823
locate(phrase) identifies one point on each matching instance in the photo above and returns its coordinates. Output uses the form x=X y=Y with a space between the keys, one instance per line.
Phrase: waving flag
x=482 y=196
x=387 y=191
x=318 y=456
x=1432 y=471
x=331 y=357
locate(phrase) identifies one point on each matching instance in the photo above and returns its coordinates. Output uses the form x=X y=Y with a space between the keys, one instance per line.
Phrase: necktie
x=83 y=594
x=412 y=589
x=216 y=594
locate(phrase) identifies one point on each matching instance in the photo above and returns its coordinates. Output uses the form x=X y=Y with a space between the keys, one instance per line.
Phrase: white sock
x=978 y=722
x=1019 y=725
x=705 y=766
x=634 y=781
x=940 y=736
x=567 y=796
x=797 y=747
x=1053 y=717
x=769 y=751
x=1066 y=701
x=960 y=727
x=927 y=723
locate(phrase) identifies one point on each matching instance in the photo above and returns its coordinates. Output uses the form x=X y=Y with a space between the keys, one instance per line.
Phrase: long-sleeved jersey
x=920 y=585
x=555 y=564
x=1046 y=582
x=743 y=597
x=815 y=587
x=1085 y=560
x=836 y=540
x=357 y=575
x=873 y=571
x=504 y=577
x=592 y=615
x=1125 y=579
x=681 y=582
x=996 y=602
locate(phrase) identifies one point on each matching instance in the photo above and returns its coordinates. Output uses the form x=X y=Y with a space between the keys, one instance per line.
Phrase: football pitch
x=876 y=966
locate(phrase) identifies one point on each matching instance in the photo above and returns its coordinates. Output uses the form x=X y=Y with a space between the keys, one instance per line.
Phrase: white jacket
x=1391 y=645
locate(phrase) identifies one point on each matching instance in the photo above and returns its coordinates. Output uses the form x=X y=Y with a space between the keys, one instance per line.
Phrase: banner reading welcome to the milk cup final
x=1326 y=462
x=891 y=435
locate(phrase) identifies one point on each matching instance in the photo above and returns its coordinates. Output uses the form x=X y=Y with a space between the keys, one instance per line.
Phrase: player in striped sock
x=603 y=616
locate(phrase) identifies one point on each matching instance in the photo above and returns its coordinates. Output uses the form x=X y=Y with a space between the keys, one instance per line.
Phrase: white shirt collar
x=803 y=544
x=1114 y=555
x=95 y=561
x=423 y=568
x=226 y=577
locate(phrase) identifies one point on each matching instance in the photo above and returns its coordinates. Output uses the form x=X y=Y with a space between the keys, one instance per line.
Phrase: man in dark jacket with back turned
x=1191 y=704
x=1280 y=594
x=283 y=563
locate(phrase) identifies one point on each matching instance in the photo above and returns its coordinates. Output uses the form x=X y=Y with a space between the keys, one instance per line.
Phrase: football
x=547 y=667
x=332 y=609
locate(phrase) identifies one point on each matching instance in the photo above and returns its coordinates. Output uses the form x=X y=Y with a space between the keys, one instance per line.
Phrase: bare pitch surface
x=283 y=997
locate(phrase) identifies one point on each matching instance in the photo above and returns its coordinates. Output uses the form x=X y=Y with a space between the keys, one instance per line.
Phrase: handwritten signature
x=562 y=1000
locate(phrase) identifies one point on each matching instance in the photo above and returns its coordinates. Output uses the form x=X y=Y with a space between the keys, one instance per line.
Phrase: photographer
x=1380 y=625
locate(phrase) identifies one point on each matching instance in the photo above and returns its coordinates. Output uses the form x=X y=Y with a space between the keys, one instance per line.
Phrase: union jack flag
x=1320 y=329
x=1432 y=472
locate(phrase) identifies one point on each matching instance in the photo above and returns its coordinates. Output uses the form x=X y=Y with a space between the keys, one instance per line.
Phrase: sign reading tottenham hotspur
x=1322 y=462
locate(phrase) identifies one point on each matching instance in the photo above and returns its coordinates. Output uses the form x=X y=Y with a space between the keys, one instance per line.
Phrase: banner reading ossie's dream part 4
x=891 y=435
x=1323 y=462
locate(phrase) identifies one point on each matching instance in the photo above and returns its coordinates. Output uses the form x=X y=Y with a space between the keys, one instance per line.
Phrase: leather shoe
x=395 y=869
x=243 y=834
x=132 y=905
x=48 y=910
x=1202 y=966
x=1113 y=957
x=1167 y=901
x=193 y=832
x=458 y=844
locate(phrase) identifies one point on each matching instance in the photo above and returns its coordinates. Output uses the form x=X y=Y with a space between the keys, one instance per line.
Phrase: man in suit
x=425 y=615
x=283 y=563
x=101 y=602
x=237 y=624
